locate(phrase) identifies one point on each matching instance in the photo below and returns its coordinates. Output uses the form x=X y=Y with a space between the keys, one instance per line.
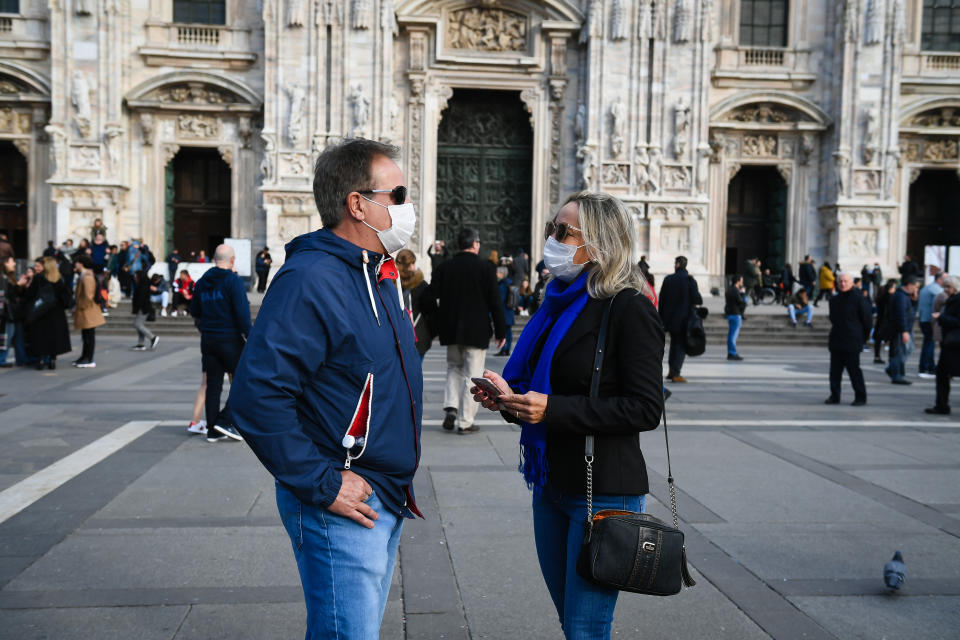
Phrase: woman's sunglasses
x=559 y=230
x=397 y=194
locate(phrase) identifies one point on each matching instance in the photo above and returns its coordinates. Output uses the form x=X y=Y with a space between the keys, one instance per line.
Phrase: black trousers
x=943 y=384
x=262 y=281
x=849 y=360
x=220 y=355
x=89 y=339
x=678 y=351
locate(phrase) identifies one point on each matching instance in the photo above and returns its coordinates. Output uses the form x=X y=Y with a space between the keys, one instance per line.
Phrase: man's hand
x=531 y=407
x=501 y=342
x=905 y=337
x=354 y=490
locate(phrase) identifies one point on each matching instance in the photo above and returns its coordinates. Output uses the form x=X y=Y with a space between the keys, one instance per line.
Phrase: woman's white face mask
x=558 y=258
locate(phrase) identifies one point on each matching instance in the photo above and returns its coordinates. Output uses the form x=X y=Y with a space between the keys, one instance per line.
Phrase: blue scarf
x=562 y=303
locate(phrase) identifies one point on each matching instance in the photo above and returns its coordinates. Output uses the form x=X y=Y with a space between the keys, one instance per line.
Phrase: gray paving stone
x=926 y=486
x=871 y=617
x=229 y=622
x=103 y=623
x=482 y=488
x=135 y=558
x=845 y=447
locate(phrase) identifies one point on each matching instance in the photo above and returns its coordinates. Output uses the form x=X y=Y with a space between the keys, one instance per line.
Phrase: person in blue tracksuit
x=328 y=393
x=222 y=313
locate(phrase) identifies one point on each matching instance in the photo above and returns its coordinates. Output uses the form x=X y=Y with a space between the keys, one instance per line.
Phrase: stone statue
x=146 y=128
x=296 y=12
x=618 y=115
x=703 y=167
x=296 y=96
x=645 y=20
x=654 y=170
x=58 y=148
x=618 y=20
x=873 y=22
x=642 y=174
x=580 y=123
x=890 y=174
x=681 y=122
x=360 y=106
x=110 y=136
x=587 y=166
x=266 y=164
x=841 y=163
x=806 y=148
x=362 y=14
x=81 y=103
x=869 y=134
x=683 y=21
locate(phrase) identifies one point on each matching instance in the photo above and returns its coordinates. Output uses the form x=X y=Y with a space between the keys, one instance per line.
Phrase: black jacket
x=949 y=321
x=735 y=304
x=900 y=313
x=850 y=320
x=630 y=398
x=807 y=274
x=141 y=297
x=678 y=295
x=466 y=288
x=49 y=335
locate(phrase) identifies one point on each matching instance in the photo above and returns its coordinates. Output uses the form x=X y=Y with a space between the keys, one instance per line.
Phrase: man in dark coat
x=807 y=275
x=900 y=314
x=850 y=320
x=466 y=288
x=949 y=363
x=909 y=268
x=678 y=296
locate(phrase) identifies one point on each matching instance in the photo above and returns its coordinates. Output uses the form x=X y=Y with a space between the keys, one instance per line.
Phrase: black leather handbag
x=626 y=550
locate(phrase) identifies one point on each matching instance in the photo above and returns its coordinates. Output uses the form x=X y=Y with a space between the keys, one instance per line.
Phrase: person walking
x=222 y=313
x=678 y=297
x=881 y=326
x=925 y=300
x=546 y=390
x=87 y=315
x=414 y=285
x=263 y=262
x=849 y=329
x=946 y=316
x=509 y=296
x=141 y=308
x=827 y=282
x=807 y=275
x=733 y=310
x=900 y=316
x=751 y=278
x=328 y=392
x=47 y=299
x=466 y=288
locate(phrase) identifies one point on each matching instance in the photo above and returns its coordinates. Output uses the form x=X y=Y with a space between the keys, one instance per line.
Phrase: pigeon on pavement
x=895 y=571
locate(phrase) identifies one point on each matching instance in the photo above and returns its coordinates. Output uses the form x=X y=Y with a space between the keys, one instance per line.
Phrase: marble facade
x=652 y=100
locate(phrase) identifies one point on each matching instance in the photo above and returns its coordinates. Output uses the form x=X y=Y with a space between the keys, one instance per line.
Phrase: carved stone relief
x=294 y=164
x=556 y=149
x=616 y=174
x=841 y=164
x=146 y=128
x=870 y=134
x=862 y=242
x=169 y=152
x=289 y=227
x=654 y=169
x=196 y=93
x=111 y=136
x=197 y=126
x=529 y=99
x=806 y=148
x=618 y=120
x=681 y=123
x=683 y=21
x=58 y=148
x=267 y=168
x=866 y=181
x=14 y=122
x=760 y=146
x=484 y=29
x=619 y=27
x=359 y=111
x=296 y=96
x=85 y=158
x=23 y=146
x=675 y=238
x=244 y=131
x=940 y=150
x=890 y=172
x=362 y=14
x=765 y=113
x=676 y=178
x=936 y=118
x=226 y=152
x=588 y=165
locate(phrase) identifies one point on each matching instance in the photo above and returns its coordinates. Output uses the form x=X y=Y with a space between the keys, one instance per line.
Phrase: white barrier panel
x=195 y=269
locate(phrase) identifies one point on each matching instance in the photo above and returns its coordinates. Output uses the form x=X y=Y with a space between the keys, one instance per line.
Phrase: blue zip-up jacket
x=220 y=303
x=326 y=324
x=901 y=312
x=925 y=301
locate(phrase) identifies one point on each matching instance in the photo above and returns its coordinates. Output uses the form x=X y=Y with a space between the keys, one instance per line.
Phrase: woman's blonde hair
x=611 y=243
x=50 y=270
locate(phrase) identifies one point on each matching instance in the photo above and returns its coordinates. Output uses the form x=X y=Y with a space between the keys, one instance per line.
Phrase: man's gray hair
x=849 y=274
x=342 y=168
x=953 y=281
x=503 y=271
x=224 y=253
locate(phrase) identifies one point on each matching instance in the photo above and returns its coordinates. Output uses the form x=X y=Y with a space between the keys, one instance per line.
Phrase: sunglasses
x=397 y=194
x=559 y=230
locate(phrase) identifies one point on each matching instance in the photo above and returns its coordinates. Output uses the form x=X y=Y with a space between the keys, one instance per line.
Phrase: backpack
x=513 y=297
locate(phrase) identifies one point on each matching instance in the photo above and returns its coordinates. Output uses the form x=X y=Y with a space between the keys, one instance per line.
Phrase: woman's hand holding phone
x=488 y=389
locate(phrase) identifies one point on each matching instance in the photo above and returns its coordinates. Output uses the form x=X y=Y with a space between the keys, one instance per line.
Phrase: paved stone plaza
x=114 y=523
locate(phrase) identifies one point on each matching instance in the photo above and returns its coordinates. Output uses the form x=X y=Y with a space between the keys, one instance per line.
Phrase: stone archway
x=765 y=129
x=198 y=110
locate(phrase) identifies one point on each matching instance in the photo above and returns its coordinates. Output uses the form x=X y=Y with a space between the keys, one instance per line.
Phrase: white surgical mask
x=558 y=258
x=404 y=222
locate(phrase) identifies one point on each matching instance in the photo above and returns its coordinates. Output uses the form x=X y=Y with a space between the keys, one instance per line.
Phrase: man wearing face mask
x=468 y=294
x=328 y=392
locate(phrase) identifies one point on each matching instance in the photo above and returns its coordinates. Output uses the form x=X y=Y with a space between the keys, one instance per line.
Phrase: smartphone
x=488 y=387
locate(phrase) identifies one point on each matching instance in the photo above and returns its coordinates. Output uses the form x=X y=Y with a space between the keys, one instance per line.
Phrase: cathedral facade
x=730 y=128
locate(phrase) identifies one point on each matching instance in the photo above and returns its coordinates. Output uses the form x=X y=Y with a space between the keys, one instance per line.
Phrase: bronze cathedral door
x=484 y=170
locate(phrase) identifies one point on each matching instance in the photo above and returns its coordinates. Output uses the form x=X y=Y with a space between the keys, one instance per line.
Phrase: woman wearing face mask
x=546 y=389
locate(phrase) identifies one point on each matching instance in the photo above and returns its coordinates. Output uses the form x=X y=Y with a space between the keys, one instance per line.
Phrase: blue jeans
x=585 y=610
x=735 y=323
x=793 y=311
x=509 y=337
x=899 y=353
x=345 y=568
x=927 y=365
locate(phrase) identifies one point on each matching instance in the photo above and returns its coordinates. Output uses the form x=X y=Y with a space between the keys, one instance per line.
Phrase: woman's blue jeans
x=735 y=322
x=345 y=568
x=585 y=610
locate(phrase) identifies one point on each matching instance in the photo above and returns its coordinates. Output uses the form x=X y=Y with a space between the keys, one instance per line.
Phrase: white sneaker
x=86 y=365
x=153 y=343
x=198 y=428
x=163 y=313
x=926 y=376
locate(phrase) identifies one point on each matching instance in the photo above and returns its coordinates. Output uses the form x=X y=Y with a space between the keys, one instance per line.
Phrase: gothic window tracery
x=763 y=23
x=941 y=25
